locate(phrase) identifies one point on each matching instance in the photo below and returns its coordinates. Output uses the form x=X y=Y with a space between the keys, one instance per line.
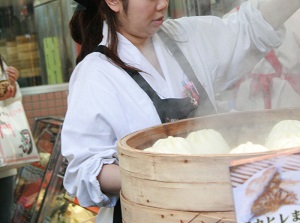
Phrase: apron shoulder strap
x=169 y=109
x=205 y=105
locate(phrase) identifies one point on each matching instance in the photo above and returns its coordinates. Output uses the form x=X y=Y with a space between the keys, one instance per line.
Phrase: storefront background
x=34 y=37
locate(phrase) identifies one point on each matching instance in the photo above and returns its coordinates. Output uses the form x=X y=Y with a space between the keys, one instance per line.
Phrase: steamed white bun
x=285 y=134
x=248 y=147
x=285 y=143
x=207 y=141
x=170 y=145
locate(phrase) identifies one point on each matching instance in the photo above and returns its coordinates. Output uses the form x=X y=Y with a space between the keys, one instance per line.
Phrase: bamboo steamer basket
x=189 y=183
x=136 y=213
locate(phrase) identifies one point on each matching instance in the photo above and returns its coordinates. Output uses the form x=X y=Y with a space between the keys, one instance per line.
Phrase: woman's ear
x=114 y=5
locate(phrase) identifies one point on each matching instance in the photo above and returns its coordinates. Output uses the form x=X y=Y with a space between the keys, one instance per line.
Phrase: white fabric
x=282 y=96
x=105 y=103
x=3 y=75
x=105 y=215
x=282 y=93
x=7 y=172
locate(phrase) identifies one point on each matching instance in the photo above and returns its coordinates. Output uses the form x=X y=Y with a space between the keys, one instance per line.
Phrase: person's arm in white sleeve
x=89 y=137
x=276 y=12
x=227 y=48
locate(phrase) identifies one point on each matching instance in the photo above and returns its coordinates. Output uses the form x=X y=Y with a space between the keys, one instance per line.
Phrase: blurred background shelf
x=39 y=194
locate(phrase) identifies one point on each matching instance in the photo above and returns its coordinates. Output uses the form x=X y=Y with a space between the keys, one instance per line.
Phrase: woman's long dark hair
x=86 y=29
x=1 y=65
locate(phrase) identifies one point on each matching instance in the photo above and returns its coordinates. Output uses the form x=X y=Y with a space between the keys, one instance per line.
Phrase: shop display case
x=39 y=194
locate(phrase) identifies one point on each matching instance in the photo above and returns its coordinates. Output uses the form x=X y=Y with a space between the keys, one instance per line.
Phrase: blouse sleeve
x=227 y=48
x=88 y=135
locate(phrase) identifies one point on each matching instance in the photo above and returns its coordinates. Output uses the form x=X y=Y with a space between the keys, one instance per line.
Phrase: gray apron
x=170 y=109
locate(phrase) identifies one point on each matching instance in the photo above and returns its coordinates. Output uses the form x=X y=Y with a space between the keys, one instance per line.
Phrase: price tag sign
x=266 y=189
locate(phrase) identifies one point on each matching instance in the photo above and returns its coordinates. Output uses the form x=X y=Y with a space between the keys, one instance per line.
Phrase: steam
x=272 y=83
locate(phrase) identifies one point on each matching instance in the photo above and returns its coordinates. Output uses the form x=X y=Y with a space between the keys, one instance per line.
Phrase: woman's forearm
x=276 y=12
x=110 y=179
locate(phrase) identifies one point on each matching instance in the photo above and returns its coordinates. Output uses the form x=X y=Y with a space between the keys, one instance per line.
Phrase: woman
x=7 y=175
x=128 y=82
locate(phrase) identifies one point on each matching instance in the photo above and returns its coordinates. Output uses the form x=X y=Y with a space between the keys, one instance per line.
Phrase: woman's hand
x=12 y=76
x=11 y=91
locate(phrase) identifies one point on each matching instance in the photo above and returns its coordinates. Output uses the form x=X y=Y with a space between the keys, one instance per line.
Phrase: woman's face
x=142 y=19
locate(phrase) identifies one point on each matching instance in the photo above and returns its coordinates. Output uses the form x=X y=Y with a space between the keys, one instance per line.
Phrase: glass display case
x=39 y=194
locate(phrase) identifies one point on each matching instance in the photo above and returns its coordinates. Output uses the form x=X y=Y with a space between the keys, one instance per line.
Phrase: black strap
x=169 y=109
x=205 y=105
x=117 y=213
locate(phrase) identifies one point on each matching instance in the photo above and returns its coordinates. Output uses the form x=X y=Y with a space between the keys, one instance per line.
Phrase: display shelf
x=39 y=194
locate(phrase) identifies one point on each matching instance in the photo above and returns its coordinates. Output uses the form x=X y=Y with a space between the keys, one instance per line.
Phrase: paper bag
x=17 y=146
